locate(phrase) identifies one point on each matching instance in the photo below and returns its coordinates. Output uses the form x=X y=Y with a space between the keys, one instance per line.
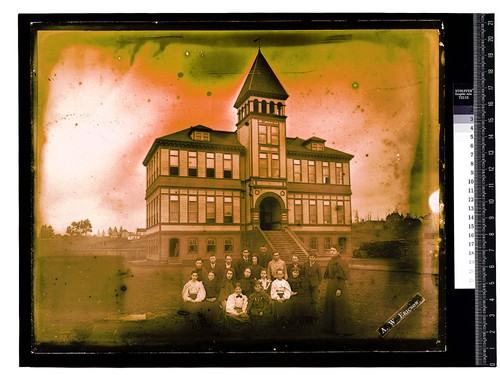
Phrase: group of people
x=261 y=291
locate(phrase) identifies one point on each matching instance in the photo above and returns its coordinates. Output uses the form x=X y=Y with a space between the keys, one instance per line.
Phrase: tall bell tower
x=261 y=129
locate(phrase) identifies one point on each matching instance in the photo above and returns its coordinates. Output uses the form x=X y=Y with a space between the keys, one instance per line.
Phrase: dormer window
x=315 y=144
x=317 y=147
x=201 y=136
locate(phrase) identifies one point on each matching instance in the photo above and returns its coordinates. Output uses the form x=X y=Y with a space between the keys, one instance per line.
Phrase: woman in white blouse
x=236 y=309
x=280 y=294
x=193 y=294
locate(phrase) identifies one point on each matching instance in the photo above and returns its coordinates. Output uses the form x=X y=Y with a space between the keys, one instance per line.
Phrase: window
x=313 y=243
x=298 y=211
x=340 y=212
x=328 y=243
x=268 y=134
x=296 y=170
x=274 y=135
x=275 y=166
x=311 y=170
x=317 y=147
x=201 y=136
x=210 y=210
x=264 y=106
x=342 y=244
x=262 y=134
x=174 y=247
x=174 y=162
x=280 y=109
x=174 y=209
x=326 y=172
x=192 y=164
x=228 y=245
x=210 y=245
x=192 y=245
x=339 y=173
x=228 y=209
x=192 y=209
x=228 y=166
x=255 y=105
x=271 y=108
x=327 y=212
x=313 y=212
x=263 y=165
x=210 y=164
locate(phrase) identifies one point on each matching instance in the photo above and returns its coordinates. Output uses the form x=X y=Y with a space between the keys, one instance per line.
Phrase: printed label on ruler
x=463 y=163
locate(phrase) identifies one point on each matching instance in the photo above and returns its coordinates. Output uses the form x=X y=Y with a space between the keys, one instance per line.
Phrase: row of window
x=227 y=164
x=195 y=205
x=317 y=211
x=312 y=171
x=153 y=169
x=305 y=171
x=209 y=245
x=153 y=247
x=196 y=166
x=261 y=107
x=314 y=242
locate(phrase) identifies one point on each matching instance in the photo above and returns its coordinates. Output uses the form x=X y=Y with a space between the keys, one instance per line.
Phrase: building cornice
x=318 y=155
x=192 y=146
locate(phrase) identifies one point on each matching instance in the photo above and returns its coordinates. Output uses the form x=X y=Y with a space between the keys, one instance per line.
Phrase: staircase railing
x=265 y=239
x=297 y=241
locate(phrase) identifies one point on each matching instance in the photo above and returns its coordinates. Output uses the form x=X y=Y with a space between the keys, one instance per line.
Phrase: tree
x=80 y=228
x=47 y=232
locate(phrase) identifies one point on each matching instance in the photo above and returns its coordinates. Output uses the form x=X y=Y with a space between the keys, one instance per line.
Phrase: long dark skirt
x=234 y=322
x=300 y=307
x=194 y=312
x=337 y=315
x=212 y=312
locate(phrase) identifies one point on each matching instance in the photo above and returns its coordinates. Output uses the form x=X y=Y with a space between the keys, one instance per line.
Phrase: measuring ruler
x=474 y=189
x=484 y=190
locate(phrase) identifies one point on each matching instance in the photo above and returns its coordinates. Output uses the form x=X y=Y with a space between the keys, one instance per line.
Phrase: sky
x=102 y=97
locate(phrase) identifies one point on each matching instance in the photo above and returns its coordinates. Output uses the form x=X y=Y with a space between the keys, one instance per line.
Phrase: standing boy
x=313 y=277
x=275 y=264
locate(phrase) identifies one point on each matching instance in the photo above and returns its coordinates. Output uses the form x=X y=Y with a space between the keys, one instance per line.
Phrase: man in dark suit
x=295 y=264
x=264 y=257
x=216 y=267
x=314 y=277
x=243 y=263
x=202 y=272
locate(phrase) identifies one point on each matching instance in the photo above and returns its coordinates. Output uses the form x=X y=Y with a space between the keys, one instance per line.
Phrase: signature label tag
x=401 y=314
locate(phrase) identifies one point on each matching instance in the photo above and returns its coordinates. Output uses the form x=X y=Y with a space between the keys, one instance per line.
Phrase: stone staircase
x=285 y=244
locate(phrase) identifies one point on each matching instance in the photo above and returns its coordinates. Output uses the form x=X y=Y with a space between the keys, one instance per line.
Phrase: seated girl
x=280 y=294
x=247 y=282
x=193 y=293
x=227 y=288
x=236 y=309
x=265 y=281
x=211 y=308
x=260 y=309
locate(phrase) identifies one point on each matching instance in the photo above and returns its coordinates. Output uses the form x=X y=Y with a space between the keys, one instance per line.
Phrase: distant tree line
x=80 y=228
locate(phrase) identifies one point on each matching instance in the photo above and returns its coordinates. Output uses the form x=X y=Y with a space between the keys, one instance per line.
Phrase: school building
x=216 y=192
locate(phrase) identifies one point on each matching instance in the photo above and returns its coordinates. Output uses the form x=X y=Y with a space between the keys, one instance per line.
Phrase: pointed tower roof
x=261 y=81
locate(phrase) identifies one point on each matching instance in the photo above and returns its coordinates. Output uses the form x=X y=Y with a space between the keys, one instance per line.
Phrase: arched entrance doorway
x=270 y=213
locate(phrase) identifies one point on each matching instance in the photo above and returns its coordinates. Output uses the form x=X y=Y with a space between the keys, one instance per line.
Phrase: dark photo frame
x=150 y=141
